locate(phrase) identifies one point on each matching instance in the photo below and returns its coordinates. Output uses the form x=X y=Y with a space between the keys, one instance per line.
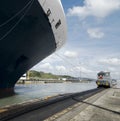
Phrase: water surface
x=39 y=91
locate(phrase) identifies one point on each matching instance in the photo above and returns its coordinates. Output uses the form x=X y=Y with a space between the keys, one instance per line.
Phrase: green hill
x=43 y=75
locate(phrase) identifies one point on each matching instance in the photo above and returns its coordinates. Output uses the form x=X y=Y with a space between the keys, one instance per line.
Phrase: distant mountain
x=43 y=75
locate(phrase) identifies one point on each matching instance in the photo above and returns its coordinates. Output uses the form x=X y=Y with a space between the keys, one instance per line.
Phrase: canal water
x=40 y=91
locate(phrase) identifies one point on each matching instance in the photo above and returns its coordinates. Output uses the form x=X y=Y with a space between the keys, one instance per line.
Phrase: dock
x=104 y=106
x=92 y=105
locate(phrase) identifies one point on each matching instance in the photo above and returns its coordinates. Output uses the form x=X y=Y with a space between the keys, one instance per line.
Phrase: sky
x=93 y=40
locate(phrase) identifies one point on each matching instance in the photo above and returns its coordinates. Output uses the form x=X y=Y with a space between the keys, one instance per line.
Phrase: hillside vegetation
x=43 y=75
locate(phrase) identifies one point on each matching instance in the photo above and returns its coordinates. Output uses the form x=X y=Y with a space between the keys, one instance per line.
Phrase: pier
x=92 y=105
x=104 y=106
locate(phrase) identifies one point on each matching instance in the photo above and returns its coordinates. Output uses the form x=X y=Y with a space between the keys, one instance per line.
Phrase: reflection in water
x=33 y=91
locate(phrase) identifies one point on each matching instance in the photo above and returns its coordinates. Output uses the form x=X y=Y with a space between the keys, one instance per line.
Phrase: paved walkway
x=104 y=106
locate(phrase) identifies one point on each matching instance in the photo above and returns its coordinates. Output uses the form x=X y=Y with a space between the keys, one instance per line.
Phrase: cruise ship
x=30 y=30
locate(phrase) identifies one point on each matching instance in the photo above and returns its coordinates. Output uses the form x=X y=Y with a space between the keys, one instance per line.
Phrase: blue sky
x=93 y=40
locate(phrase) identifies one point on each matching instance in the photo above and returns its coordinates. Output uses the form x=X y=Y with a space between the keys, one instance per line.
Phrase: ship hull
x=24 y=40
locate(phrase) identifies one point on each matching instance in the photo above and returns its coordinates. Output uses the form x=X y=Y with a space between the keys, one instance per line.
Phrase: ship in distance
x=104 y=79
x=30 y=30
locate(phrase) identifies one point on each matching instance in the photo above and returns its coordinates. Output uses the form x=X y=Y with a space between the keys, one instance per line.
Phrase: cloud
x=95 y=33
x=61 y=68
x=110 y=61
x=112 y=69
x=47 y=66
x=96 y=8
x=82 y=69
x=70 y=54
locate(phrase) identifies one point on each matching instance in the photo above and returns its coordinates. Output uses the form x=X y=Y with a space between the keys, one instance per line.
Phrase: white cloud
x=46 y=66
x=111 y=69
x=110 y=61
x=97 y=8
x=83 y=69
x=95 y=33
x=61 y=68
x=70 y=54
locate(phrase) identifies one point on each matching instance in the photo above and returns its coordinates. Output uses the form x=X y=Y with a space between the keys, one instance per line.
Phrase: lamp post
x=80 y=71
